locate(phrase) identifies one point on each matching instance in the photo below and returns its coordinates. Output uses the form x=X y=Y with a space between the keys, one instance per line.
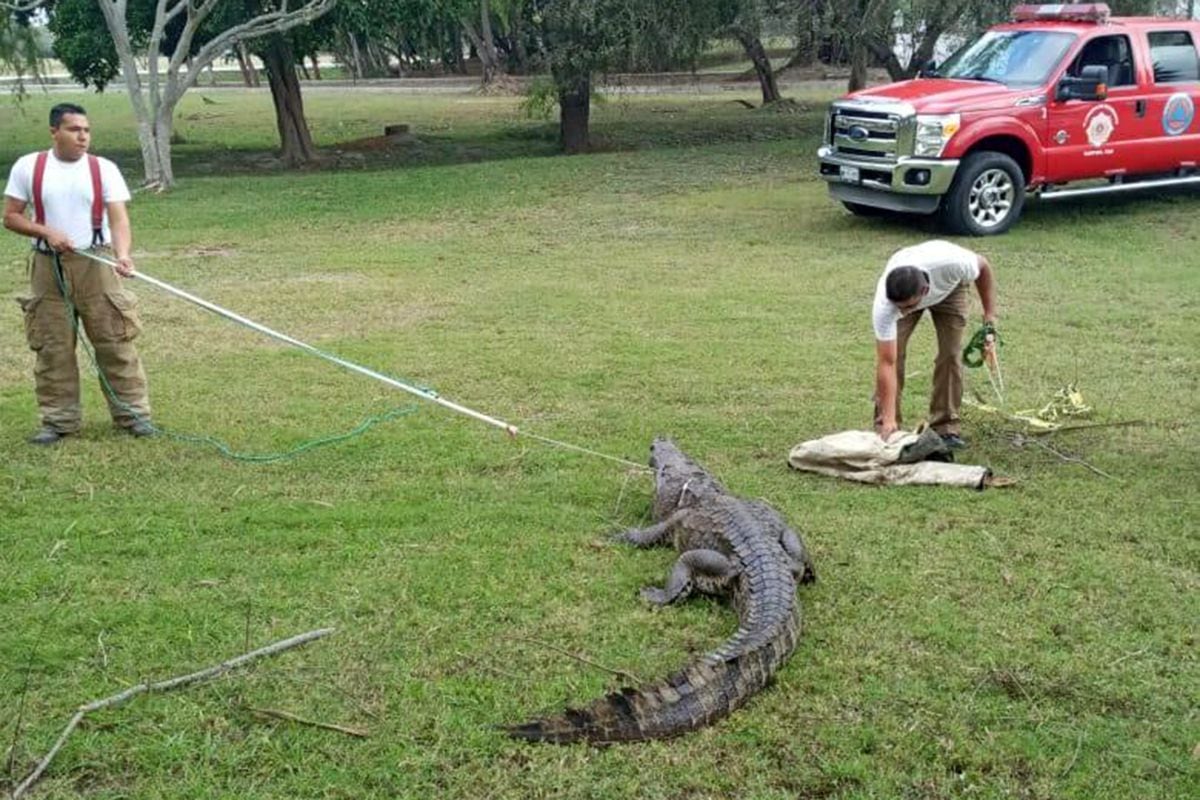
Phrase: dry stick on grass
x=1072 y=459
x=1083 y=426
x=277 y=714
x=10 y=759
x=161 y=686
x=620 y=673
x=1074 y=758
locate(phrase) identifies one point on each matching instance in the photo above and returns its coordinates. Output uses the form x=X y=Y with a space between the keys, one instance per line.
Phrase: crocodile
x=729 y=546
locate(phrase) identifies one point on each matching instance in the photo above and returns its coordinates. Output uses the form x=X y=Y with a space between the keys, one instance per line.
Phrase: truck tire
x=986 y=197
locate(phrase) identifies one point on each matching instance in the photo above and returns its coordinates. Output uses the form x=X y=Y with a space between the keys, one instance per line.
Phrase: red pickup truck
x=1065 y=100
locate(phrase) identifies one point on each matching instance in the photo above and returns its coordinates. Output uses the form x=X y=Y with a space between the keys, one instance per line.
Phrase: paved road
x=667 y=83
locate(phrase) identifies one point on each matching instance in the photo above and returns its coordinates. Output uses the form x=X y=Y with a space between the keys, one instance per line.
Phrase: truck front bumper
x=912 y=185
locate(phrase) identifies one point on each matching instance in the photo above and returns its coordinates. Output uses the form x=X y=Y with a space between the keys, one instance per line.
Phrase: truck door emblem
x=859 y=134
x=1062 y=137
x=1100 y=123
x=1178 y=114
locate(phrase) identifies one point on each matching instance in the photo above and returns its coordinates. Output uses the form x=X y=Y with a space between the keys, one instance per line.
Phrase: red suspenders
x=39 y=208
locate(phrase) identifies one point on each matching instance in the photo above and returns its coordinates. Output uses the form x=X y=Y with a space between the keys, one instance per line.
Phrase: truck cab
x=1064 y=100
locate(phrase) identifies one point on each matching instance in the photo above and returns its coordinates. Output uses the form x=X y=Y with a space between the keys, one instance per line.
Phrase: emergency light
x=1062 y=12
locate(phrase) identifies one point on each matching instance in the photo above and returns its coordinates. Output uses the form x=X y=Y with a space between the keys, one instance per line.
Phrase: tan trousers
x=949 y=321
x=109 y=315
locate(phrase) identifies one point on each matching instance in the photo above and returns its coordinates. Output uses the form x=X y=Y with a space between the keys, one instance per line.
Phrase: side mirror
x=1092 y=84
x=928 y=69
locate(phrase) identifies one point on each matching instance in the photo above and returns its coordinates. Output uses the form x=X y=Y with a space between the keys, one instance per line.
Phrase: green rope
x=203 y=439
x=972 y=354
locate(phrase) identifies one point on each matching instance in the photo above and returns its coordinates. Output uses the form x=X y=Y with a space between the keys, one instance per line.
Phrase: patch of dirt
x=374 y=144
x=785 y=105
x=209 y=252
x=503 y=86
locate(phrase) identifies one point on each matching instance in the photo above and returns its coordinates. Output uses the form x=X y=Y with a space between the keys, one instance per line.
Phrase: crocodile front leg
x=654 y=535
x=709 y=569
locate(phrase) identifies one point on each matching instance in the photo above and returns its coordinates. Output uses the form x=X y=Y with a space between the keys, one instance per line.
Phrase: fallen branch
x=160 y=686
x=1074 y=758
x=1087 y=425
x=277 y=714
x=620 y=673
x=1072 y=459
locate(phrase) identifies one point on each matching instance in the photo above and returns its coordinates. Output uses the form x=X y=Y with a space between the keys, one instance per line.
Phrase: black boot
x=46 y=436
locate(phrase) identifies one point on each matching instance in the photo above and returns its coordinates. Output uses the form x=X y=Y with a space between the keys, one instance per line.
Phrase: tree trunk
x=295 y=141
x=858 y=66
x=484 y=43
x=154 y=139
x=491 y=61
x=246 y=65
x=762 y=65
x=896 y=71
x=357 y=68
x=809 y=25
x=162 y=140
x=520 y=52
x=316 y=67
x=574 y=102
x=145 y=134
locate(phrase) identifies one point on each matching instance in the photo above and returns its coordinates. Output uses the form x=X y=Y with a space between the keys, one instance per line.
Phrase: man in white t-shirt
x=933 y=275
x=59 y=187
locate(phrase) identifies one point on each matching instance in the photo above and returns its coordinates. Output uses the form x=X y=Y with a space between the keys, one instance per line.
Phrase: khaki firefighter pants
x=949 y=320
x=108 y=313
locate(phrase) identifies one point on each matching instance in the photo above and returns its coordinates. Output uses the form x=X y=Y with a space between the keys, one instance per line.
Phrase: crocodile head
x=678 y=480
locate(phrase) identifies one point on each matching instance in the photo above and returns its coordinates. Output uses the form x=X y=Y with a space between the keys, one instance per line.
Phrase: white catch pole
x=424 y=394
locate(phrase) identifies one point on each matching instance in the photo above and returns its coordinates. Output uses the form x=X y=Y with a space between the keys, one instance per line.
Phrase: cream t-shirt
x=948 y=266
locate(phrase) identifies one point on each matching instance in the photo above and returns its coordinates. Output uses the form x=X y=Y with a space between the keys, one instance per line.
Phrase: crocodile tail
x=696 y=696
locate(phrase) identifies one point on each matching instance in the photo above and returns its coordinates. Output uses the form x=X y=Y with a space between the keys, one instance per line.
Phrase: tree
x=579 y=38
x=483 y=39
x=279 y=58
x=743 y=20
x=183 y=21
x=20 y=49
x=924 y=23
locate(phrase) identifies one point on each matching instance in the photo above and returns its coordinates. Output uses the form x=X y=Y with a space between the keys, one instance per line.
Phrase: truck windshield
x=1014 y=58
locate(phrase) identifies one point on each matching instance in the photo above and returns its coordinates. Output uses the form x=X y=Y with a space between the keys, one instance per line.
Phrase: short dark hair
x=905 y=283
x=61 y=110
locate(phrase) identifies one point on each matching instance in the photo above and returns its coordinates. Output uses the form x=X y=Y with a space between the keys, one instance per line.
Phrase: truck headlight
x=933 y=132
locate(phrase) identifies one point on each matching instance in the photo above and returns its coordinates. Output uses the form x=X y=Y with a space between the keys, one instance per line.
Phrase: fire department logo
x=1178 y=114
x=1099 y=124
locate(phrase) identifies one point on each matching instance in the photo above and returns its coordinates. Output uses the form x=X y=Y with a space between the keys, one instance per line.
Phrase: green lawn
x=691 y=279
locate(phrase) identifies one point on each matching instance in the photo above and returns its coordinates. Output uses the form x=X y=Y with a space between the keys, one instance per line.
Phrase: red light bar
x=1063 y=12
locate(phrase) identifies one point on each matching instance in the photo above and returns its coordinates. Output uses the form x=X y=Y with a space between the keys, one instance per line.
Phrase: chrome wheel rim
x=991 y=198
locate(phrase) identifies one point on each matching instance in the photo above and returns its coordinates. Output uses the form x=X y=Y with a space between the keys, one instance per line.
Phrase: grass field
x=691 y=279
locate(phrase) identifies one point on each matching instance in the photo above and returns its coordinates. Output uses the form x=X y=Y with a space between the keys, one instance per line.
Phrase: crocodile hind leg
x=802 y=567
x=704 y=569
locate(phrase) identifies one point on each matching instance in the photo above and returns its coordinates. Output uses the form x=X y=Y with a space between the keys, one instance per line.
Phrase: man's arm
x=122 y=236
x=885 y=386
x=16 y=221
x=986 y=285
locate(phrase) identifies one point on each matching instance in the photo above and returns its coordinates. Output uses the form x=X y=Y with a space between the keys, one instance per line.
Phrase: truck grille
x=865 y=133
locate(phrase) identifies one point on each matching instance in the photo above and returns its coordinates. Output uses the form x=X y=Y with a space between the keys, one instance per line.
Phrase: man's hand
x=58 y=241
x=124 y=266
x=886 y=430
x=989 y=341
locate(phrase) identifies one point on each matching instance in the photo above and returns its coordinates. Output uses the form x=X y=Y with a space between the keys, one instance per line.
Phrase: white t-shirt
x=67 y=194
x=948 y=265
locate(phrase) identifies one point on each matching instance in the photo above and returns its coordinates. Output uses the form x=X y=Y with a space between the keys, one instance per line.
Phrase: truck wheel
x=860 y=210
x=986 y=197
